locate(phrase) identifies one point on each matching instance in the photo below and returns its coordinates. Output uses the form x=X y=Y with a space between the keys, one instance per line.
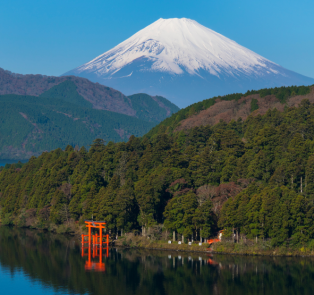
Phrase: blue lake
x=34 y=262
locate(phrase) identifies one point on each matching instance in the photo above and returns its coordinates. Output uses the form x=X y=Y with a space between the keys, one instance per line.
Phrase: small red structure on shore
x=97 y=239
x=212 y=241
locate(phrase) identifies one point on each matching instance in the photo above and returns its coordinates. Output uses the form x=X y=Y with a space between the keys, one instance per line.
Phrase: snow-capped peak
x=177 y=45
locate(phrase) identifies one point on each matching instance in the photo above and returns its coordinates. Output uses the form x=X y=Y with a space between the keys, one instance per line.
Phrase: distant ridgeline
x=61 y=116
x=30 y=125
x=254 y=175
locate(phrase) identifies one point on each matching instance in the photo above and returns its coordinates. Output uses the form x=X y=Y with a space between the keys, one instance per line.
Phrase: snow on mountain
x=185 y=62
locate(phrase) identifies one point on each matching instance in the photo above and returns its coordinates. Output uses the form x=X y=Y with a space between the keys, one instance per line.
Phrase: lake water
x=34 y=263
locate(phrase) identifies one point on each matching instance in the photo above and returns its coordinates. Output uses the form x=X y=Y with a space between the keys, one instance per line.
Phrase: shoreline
x=224 y=248
x=129 y=241
x=213 y=252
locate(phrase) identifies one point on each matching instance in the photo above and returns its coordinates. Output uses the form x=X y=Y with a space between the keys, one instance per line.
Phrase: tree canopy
x=256 y=176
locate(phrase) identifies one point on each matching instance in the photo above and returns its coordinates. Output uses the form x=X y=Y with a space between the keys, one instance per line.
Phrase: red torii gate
x=97 y=239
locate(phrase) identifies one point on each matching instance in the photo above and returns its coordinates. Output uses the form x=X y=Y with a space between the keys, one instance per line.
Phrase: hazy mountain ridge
x=185 y=62
x=152 y=108
x=69 y=111
x=30 y=125
x=96 y=95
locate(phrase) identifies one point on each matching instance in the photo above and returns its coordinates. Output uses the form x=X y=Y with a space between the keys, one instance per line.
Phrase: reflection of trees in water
x=55 y=260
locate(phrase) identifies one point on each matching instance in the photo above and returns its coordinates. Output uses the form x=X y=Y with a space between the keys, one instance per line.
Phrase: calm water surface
x=34 y=263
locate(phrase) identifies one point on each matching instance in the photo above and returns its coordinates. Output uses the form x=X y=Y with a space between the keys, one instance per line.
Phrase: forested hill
x=69 y=110
x=30 y=125
x=255 y=175
x=235 y=106
x=87 y=94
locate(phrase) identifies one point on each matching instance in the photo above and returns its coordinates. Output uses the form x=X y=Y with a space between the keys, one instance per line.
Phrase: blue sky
x=54 y=36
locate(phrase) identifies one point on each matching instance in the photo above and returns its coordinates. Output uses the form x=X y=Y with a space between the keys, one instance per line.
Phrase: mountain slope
x=82 y=92
x=30 y=125
x=234 y=107
x=152 y=108
x=184 y=61
x=67 y=91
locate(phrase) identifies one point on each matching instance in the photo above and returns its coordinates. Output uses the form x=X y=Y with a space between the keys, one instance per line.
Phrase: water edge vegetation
x=253 y=178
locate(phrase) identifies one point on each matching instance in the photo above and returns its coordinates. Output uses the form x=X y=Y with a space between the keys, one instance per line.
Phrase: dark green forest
x=60 y=116
x=66 y=91
x=148 y=109
x=255 y=176
x=30 y=125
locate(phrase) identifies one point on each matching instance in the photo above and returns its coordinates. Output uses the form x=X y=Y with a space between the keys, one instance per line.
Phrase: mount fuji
x=186 y=62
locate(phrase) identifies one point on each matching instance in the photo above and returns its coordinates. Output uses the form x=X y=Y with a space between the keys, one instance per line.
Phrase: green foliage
x=254 y=104
x=19 y=164
x=7 y=219
x=282 y=93
x=66 y=91
x=30 y=125
x=149 y=109
x=60 y=117
x=278 y=213
x=179 y=213
x=260 y=171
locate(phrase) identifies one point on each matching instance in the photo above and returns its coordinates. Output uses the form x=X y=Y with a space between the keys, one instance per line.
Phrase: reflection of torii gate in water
x=97 y=252
x=97 y=241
